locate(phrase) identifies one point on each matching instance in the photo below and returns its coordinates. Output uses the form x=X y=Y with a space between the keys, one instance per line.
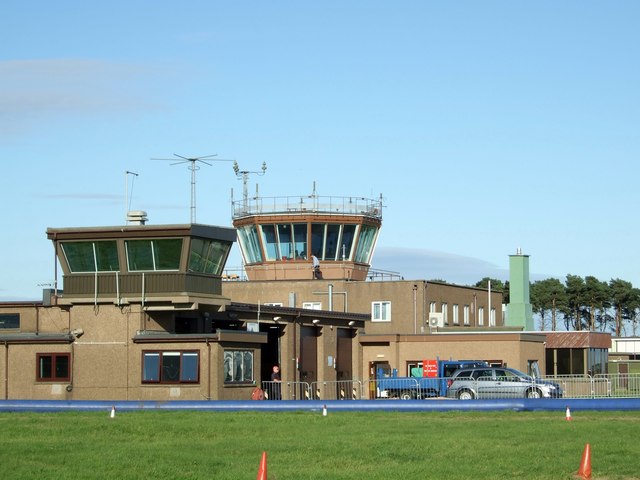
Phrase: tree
x=496 y=286
x=596 y=299
x=573 y=312
x=548 y=296
x=626 y=301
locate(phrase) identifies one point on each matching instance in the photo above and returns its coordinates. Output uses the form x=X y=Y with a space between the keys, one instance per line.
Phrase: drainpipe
x=415 y=309
x=208 y=370
x=330 y=297
x=6 y=370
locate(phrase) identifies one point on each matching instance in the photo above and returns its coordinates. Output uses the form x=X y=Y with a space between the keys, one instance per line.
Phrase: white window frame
x=456 y=314
x=481 y=316
x=466 y=313
x=445 y=313
x=492 y=317
x=384 y=309
x=432 y=307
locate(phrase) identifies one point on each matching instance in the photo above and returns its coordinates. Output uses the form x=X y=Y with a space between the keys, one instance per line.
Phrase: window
x=91 y=256
x=208 y=256
x=53 y=367
x=445 y=313
x=154 y=255
x=170 y=367
x=238 y=366
x=465 y=314
x=366 y=242
x=481 y=316
x=248 y=237
x=381 y=311
x=456 y=317
x=312 y=305
x=9 y=320
x=432 y=307
x=492 y=317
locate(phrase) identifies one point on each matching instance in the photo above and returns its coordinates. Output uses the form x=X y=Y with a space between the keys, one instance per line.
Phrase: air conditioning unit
x=436 y=319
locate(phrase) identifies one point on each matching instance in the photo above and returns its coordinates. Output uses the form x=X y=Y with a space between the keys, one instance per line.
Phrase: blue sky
x=487 y=126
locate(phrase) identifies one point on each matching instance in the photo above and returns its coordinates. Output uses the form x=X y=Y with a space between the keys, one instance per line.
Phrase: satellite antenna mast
x=244 y=174
x=193 y=161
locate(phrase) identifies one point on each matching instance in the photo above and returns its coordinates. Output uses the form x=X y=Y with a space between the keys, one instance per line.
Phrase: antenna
x=193 y=161
x=127 y=198
x=244 y=174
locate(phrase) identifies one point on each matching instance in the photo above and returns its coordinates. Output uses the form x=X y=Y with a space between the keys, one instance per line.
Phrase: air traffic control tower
x=277 y=235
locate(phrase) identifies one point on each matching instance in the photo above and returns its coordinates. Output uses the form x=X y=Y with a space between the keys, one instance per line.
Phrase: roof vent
x=137 y=217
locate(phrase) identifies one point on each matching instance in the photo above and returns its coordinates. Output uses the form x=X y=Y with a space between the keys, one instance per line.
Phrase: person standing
x=316 y=267
x=276 y=391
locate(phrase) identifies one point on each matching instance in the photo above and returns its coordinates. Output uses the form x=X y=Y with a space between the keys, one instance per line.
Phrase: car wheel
x=465 y=395
x=534 y=393
x=406 y=395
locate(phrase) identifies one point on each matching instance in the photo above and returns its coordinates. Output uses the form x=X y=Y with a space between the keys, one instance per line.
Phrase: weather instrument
x=193 y=166
x=244 y=175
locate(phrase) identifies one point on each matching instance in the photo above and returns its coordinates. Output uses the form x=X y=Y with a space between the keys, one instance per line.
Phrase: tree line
x=580 y=303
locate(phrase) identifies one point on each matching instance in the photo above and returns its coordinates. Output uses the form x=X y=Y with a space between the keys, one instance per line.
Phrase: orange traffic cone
x=585 y=463
x=568 y=414
x=262 y=470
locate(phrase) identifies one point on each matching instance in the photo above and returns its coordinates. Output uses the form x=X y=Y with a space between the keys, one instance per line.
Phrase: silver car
x=499 y=382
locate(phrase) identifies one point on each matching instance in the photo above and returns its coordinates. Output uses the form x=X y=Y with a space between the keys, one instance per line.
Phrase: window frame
x=54 y=356
x=161 y=376
x=9 y=321
x=229 y=362
x=381 y=311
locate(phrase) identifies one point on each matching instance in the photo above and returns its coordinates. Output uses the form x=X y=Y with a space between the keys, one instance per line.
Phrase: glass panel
x=9 y=320
x=237 y=366
x=300 y=240
x=365 y=244
x=62 y=366
x=170 y=366
x=45 y=370
x=317 y=239
x=286 y=241
x=248 y=366
x=151 y=367
x=248 y=238
x=208 y=256
x=270 y=242
x=348 y=234
x=167 y=253
x=139 y=255
x=154 y=254
x=332 y=242
x=107 y=256
x=189 y=367
x=228 y=366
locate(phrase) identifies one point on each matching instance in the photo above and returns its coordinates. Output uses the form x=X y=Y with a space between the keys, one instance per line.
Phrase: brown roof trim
x=36 y=338
x=584 y=339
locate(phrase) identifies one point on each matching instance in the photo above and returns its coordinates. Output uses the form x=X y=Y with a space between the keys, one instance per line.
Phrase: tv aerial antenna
x=193 y=166
x=244 y=175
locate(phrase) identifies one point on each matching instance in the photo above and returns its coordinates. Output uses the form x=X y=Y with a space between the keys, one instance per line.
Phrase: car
x=499 y=382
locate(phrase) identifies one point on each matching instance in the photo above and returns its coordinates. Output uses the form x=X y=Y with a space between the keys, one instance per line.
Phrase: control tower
x=278 y=235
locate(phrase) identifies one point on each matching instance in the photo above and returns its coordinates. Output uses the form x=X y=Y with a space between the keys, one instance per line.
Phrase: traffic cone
x=262 y=470
x=568 y=414
x=324 y=410
x=585 y=463
x=113 y=412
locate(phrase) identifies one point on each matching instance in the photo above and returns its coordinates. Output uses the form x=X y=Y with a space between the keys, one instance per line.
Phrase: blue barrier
x=523 y=405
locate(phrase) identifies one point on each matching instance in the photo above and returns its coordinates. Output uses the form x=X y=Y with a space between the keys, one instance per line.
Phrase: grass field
x=306 y=445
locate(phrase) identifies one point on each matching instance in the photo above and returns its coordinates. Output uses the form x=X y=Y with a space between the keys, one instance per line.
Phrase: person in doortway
x=317 y=274
x=276 y=391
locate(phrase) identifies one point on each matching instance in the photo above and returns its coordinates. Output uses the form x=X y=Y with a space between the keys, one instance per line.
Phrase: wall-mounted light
x=352 y=323
x=277 y=319
x=315 y=321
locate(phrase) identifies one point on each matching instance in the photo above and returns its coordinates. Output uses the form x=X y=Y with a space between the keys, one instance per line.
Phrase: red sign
x=429 y=368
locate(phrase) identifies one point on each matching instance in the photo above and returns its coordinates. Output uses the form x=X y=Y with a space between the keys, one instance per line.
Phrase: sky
x=486 y=126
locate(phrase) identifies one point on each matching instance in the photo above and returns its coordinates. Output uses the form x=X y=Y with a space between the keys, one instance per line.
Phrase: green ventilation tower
x=519 y=312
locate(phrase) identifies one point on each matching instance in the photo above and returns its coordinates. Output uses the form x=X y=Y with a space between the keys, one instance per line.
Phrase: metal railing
x=573 y=386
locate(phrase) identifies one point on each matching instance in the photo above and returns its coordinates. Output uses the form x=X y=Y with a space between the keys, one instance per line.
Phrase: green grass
x=306 y=445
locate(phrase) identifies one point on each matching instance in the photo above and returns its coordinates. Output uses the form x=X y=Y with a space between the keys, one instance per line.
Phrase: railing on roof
x=307 y=204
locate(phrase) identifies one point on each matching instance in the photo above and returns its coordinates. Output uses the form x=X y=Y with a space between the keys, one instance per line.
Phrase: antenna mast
x=244 y=174
x=193 y=167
